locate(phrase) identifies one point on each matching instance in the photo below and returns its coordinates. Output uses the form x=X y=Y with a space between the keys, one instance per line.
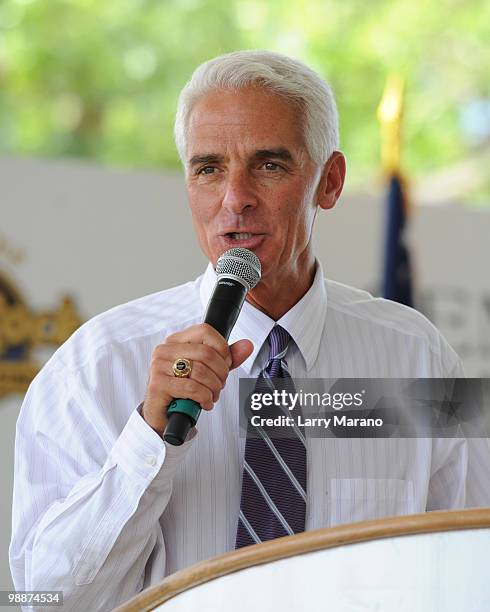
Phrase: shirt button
x=151 y=460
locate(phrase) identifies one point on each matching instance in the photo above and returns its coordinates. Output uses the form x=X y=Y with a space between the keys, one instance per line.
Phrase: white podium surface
x=447 y=572
x=429 y=562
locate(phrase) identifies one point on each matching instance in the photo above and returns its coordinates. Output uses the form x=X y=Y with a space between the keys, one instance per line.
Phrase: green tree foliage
x=99 y=79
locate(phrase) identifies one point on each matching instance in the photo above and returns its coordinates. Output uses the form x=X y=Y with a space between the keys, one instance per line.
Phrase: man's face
x=250 y=180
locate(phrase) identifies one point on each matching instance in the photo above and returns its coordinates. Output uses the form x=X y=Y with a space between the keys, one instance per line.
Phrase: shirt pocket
x=361 y=499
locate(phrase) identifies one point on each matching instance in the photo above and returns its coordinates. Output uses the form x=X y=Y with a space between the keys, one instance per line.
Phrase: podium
x=415 y=563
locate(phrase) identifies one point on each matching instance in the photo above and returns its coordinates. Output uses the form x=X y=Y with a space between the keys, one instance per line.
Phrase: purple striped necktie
x=273 y=501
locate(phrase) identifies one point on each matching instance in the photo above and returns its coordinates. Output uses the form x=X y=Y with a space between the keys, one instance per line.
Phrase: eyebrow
x=205 y=159
x=208 y=158
x=280 y=153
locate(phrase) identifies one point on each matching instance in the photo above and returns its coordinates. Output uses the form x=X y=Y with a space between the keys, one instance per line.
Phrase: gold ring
x=182 y=367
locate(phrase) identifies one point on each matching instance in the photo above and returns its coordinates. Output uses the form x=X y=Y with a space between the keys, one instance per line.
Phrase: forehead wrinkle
x=219 y=126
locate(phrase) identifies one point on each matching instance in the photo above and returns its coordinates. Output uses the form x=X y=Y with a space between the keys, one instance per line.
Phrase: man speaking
x=103 y=506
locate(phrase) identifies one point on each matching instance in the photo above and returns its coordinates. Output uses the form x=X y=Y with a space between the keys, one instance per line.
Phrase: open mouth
x=240 y=235
x=244 y=239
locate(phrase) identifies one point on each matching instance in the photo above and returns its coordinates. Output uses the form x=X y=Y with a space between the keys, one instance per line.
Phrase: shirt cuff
x=144 y=456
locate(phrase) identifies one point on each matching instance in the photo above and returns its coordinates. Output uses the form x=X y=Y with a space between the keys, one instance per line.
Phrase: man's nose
x=239 y=193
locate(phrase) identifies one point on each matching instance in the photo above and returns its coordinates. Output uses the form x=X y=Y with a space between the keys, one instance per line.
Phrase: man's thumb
x=240 y=350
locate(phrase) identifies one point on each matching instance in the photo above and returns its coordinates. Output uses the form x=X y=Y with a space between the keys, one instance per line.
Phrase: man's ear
x=332 y=181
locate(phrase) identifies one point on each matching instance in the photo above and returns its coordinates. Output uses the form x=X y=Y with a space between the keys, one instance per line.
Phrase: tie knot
x=278 y=342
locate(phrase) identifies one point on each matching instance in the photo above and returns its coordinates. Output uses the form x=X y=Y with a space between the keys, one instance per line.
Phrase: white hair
x=278 y=73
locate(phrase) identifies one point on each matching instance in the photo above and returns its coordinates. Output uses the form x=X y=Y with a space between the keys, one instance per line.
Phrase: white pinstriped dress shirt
x=103 y=507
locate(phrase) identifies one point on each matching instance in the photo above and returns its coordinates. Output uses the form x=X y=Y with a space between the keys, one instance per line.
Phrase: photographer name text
x=325 y=422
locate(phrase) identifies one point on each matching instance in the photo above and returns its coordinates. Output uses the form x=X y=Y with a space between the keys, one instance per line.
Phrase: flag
x=397 y=273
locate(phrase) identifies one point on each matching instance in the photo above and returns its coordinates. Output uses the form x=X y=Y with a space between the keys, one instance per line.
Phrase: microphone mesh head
x=241 y=263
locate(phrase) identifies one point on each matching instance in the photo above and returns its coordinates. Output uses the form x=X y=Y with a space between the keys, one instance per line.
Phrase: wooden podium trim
x=301 y=543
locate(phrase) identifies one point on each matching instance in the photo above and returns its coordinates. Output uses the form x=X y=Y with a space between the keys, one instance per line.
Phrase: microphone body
x=238 y=271
x=225 y=305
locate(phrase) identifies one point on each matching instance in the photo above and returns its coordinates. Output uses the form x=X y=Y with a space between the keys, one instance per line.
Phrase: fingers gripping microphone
x=238 y=272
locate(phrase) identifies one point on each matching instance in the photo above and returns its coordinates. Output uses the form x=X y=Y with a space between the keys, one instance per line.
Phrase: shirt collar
x=304 y=321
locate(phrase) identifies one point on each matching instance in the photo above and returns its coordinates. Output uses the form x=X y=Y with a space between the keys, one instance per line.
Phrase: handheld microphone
x=238 y=272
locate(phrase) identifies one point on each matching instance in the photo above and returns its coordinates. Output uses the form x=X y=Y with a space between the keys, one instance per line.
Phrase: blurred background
x=92 y=199
x=98 y=79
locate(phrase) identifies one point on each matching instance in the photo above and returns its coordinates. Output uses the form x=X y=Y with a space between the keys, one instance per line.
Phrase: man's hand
x=212 y=360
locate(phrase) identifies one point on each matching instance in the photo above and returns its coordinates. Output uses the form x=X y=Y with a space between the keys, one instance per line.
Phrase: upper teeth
x=237 y=236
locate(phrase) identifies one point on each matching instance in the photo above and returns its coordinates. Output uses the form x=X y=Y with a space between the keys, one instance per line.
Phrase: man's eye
x=271 y=166
x=207 y=170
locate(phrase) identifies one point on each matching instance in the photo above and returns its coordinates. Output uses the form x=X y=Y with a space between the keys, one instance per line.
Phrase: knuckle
x=154 y=362
x=207 y=398
x=224 y=374
x=158 y=352
x=154 y=386
x=207 y=329
x=156 y=367
x=175 y=338
x=217 y=384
